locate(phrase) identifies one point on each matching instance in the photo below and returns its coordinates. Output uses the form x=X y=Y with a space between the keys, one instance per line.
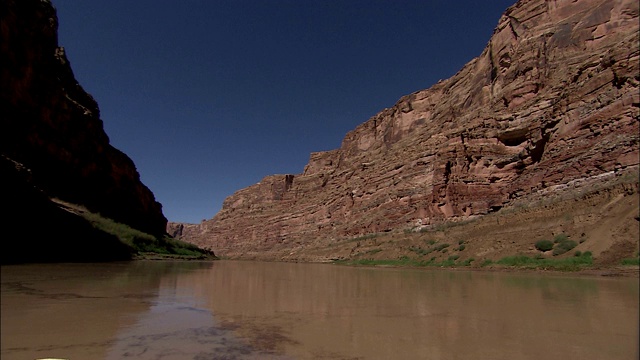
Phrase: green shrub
x=460 y=242
x=560 y=238
x=578 y=253
x=544 y=245
x=567 y=264
x=447 y=263
x=631 y=261
x=467 y=262
x=563 y=246
x=486 y=262
x=441 y=247
x=461 y=247
x=518 y=260
x=454 y=257
x=417 y=250
x=141 y=242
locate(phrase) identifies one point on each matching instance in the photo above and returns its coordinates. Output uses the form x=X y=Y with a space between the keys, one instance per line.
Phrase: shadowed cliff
x=53 y=146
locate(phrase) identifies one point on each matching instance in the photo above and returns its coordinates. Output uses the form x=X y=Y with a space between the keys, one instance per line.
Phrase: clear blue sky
x=209 y=96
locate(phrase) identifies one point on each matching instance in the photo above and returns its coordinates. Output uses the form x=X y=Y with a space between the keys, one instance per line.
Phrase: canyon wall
x=552 y=101
x=52 y=141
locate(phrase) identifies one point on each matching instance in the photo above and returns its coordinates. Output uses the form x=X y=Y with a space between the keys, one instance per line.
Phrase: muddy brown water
x=257 y=310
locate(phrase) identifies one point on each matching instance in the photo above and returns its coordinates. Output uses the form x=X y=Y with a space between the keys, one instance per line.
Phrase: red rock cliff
x=553 y=99
x=52 y=127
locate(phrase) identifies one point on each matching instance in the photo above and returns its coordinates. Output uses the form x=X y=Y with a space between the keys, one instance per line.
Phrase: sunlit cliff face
x=547 y=105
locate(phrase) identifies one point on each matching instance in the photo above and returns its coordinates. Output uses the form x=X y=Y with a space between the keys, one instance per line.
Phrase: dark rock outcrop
x=552 y=101
x=51 y=126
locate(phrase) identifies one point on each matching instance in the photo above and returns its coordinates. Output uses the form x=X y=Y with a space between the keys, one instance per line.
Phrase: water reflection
x=59 y=309
x=173 y=328
x=109 y=311
x=338 y=312
x=252 y=310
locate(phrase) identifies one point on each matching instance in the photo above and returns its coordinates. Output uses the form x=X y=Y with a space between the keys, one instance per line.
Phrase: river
x=260 y=310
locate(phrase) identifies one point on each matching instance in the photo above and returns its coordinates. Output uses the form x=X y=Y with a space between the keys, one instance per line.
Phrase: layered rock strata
x=51 y=128
x=552 y=100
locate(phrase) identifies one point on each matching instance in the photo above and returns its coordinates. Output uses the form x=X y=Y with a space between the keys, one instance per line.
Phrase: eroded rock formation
x=50 y=129
x=552 y=100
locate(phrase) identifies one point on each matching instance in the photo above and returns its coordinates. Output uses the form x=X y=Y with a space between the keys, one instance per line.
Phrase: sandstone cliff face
x=552 y=100
x=51 y=126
